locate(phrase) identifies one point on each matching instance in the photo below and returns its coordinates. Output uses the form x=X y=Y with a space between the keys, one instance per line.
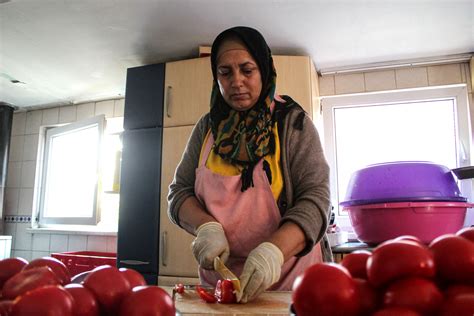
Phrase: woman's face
x=239 y=79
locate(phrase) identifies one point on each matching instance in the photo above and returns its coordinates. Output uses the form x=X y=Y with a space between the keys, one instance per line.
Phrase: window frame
x=458 y=93
x=54 y=131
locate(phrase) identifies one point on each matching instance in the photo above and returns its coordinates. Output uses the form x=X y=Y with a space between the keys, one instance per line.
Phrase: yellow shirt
x=218 y=165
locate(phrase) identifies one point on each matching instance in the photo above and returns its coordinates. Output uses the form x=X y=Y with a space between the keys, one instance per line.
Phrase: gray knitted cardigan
x=305 y=197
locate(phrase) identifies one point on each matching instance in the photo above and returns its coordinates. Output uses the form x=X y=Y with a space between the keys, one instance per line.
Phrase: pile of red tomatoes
x=400 y=277
x=43 y=287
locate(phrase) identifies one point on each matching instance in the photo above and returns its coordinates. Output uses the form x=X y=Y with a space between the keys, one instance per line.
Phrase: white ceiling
x=70 y=51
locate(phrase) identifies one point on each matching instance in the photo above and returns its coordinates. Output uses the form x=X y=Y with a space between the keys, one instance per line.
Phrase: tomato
x=147 y=300
x=5 y=308
x=459 y=305
x=27 y=280
x=325 y=289
x=415 y=293
x=454 y=258
x=49 y=300
x=396 y=259
x=108 y=285
x=456 y=289
x=9 y=267
x=85 y=303
x=356 y=263
x=410 y=238
x=396 y=311
x=133 y=277
x=79 y=278
x=57 y=266
x=224 y=292
x=367 y=296
x=205 y=295
x=466 y=232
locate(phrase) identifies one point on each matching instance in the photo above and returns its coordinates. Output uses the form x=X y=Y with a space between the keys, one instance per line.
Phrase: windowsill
x=72 y=231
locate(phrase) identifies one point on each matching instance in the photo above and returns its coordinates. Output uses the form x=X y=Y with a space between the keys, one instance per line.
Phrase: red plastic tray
x=81 y=261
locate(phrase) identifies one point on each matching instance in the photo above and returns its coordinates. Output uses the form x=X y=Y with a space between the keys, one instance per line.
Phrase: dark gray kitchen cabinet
x=140 y=183
x=144 y=97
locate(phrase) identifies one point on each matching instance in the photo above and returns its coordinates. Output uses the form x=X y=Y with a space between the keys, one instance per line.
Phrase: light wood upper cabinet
x=294 y=79
x=176 y=258
x=188 y=85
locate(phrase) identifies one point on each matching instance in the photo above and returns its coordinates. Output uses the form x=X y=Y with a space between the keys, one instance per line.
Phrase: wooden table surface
x=268 y=303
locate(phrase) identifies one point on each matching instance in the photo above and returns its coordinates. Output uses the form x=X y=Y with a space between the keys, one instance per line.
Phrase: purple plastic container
x=402 y=181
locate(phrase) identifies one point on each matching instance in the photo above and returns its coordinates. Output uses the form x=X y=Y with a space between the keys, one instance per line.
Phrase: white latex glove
x=261 y=269
x=210 y=242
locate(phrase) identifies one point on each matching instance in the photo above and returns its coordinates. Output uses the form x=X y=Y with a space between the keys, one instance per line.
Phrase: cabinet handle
x=134 y=262
x=168 y=102
x=164 y=259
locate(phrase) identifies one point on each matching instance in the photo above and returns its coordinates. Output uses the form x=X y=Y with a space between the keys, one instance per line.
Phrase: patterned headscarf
x=244 y=137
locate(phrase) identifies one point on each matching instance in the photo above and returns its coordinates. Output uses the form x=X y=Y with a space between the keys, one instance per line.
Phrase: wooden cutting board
x=268 y=303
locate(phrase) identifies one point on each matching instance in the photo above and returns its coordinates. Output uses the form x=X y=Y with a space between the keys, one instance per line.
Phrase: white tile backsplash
x=105 y=107
x=33 y=121
x=25 y=205
x=25 y=254
x=19 y=123
x=28 y=174
x=16 y=148
x=85 y=110
x=9 y=229
x=97 y=243
x=41 y=242
x=39 y=254
x=59 y=243
x=326 y=85
x=77 y=243
x=23 y=239
x=51 y=116
x=14 y=175
x=119 y=107
x=380 y=80
x=30 y=149
x=11 y=202
x=444 y=74
x=112 y=244
x=349 y=83
x=67 y=114
x=411 y=77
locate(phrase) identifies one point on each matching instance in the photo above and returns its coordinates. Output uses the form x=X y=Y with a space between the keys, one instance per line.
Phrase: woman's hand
x=210 y=242
x=262 y=269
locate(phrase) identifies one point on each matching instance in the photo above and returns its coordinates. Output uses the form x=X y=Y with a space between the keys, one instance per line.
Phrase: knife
x=225 y=273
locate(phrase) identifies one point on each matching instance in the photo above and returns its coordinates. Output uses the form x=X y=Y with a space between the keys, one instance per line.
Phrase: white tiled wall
x=19 y=193
x=403 y=78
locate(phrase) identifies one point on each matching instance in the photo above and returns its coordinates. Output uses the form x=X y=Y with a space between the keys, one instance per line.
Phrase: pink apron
x=249 y=218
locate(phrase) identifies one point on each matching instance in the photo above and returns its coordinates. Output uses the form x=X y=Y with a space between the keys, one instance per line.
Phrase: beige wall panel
x=350 y=83
x=380 y=80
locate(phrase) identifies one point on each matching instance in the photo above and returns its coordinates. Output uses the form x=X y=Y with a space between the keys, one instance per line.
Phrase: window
x=430 y=124
x=80 y=174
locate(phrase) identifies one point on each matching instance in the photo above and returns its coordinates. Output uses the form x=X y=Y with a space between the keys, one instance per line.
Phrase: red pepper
x=225 y=292
x=205 y=296
x=179 y=288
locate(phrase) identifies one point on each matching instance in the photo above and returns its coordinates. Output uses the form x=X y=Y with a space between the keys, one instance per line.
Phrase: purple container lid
x=402 y=181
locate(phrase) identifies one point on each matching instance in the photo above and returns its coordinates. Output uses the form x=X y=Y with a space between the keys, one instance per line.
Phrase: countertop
x=268 y=303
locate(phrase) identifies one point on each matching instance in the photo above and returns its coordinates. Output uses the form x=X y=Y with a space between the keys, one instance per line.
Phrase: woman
x=253 y=183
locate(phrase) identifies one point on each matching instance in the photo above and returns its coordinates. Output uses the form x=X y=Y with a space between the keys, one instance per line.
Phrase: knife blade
x=225 y=273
